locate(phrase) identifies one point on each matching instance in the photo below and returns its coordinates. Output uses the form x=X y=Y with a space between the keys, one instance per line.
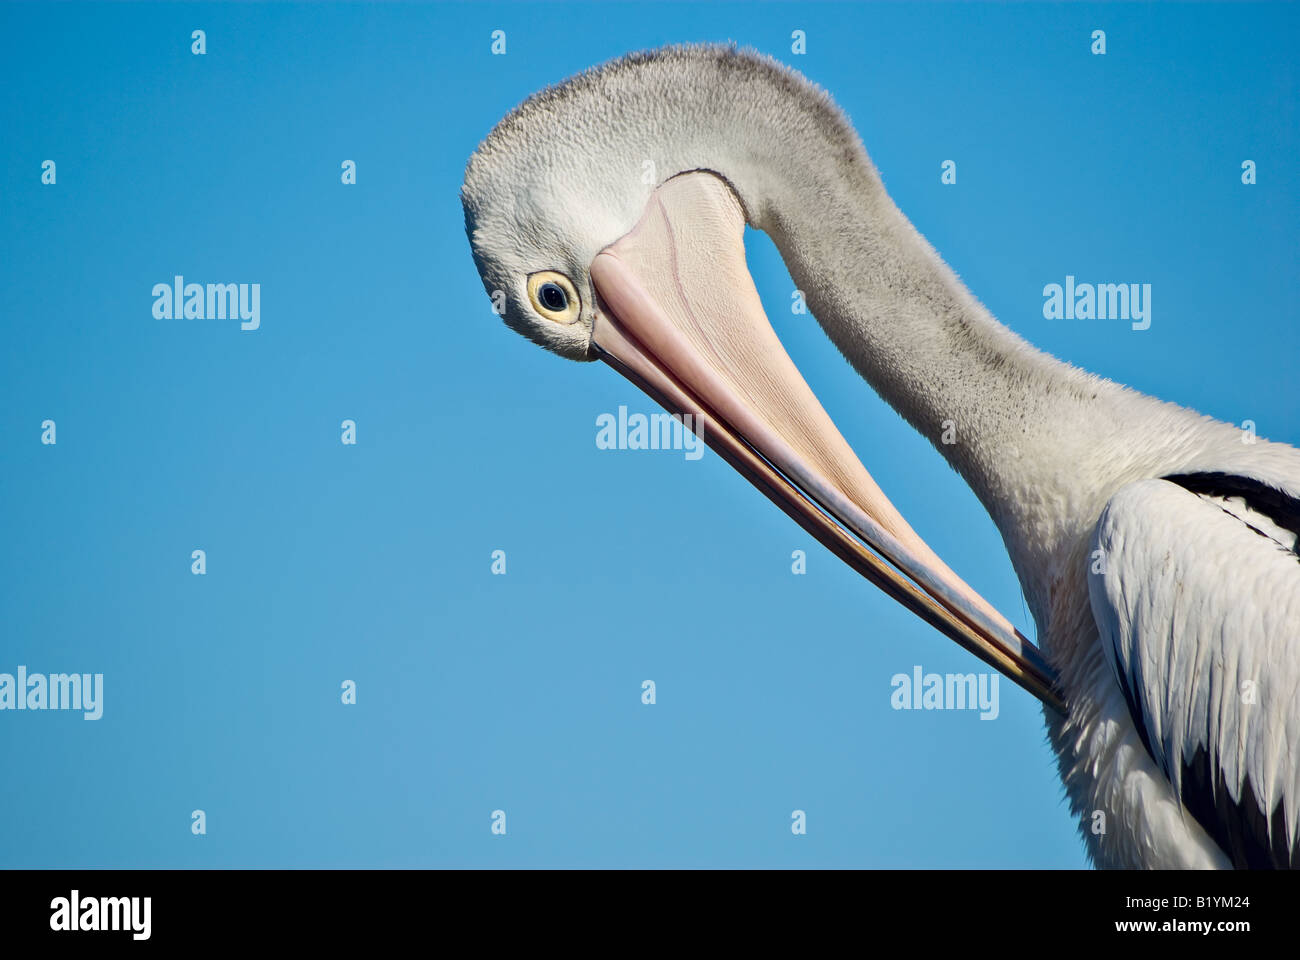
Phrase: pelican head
x=572 y=169
x=606 y=217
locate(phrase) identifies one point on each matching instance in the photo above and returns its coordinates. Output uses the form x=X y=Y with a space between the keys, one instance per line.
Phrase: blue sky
x=371 y=562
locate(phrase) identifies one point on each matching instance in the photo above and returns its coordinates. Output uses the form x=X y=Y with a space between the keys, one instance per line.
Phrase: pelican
x=1156 y=550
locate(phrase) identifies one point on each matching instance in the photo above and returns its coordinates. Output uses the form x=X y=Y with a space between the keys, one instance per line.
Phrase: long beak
x=678 y=315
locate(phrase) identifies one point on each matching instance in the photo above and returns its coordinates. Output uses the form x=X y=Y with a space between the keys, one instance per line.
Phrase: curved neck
x=912 y=330
x=1022 y=428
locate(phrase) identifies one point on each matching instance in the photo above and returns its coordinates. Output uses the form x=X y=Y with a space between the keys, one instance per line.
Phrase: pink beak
x=678 y=315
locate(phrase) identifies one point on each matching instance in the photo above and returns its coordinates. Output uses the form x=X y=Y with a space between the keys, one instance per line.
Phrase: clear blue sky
x=371 y=562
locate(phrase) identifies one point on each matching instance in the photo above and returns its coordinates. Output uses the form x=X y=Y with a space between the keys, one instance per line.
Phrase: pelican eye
x=553 y=296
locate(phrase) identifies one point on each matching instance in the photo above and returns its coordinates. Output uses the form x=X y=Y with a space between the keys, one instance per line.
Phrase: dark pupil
x=553 y=297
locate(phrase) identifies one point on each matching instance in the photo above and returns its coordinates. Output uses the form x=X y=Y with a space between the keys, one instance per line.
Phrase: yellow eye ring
x=553 y=296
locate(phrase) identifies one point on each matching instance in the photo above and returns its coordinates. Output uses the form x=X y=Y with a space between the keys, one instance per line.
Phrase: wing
x=1196 y=593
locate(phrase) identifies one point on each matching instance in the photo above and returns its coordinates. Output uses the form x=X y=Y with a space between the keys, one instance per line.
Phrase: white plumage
x=1197 y=598
x=1179 y=660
